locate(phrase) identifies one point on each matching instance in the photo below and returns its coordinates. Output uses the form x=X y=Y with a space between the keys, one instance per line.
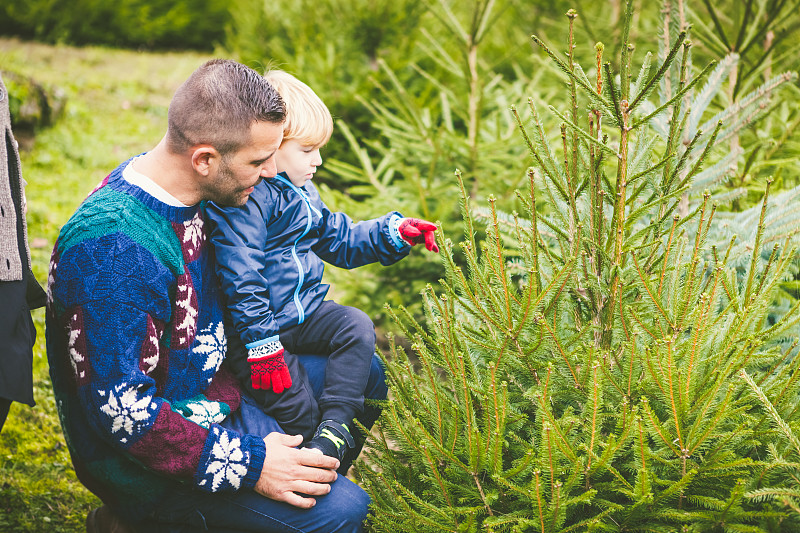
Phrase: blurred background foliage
x=419 y=89
x=138 y=24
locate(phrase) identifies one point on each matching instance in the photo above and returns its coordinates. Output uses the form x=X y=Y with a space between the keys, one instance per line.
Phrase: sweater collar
x=178 y=214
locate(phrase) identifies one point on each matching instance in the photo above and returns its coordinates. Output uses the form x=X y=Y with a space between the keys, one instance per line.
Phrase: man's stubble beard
x=228 y=192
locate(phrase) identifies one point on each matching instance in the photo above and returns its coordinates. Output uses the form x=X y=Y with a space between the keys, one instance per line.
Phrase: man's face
x=241 y=171
x=298 y=161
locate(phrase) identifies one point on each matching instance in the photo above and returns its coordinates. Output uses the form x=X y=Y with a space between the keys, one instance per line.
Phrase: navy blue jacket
x=270 y=254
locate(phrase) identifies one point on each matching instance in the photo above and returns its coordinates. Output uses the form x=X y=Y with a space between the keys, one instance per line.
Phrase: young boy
x=270 y=256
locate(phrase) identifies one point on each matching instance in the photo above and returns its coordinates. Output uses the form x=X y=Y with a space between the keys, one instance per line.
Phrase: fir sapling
x=581 y=368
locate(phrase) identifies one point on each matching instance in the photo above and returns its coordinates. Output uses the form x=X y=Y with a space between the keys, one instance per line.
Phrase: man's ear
x=205 y=159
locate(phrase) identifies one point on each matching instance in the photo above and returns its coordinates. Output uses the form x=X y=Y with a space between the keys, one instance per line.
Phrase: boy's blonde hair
x=308 y=120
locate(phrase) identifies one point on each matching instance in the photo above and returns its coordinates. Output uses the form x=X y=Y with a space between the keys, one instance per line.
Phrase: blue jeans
x=343 y=510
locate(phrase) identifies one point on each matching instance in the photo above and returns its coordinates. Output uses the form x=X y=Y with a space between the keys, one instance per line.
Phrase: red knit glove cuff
x=268 y=368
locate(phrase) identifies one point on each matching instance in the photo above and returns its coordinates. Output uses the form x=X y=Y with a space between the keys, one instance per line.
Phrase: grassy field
x=116 y=105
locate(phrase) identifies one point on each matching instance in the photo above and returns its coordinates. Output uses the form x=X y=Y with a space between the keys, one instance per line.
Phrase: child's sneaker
x=332 y=438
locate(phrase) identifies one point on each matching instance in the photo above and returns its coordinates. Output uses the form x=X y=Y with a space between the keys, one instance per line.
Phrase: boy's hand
x=267 y=367
x=416 y=231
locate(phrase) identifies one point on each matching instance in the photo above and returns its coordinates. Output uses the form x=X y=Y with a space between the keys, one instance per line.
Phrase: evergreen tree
x=591 y=367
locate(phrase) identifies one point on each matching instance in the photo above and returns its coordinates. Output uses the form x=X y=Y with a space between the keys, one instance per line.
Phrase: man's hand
x=417 y=231
x=288 y=471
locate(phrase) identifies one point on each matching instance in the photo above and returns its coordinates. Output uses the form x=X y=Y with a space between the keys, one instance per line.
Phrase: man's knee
x=352 y=505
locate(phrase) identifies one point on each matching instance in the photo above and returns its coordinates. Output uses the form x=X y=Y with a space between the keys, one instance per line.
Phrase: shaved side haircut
x=218 y=104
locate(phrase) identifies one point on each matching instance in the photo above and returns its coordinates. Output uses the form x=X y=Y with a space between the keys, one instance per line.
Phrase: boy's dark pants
x=347 y=336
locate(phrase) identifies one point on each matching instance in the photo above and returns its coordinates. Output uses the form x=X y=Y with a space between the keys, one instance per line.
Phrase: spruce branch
x=673 y=145
x=711 y=88
x=786 y=323
x=669 y=103
x=655 y=426
x=692 y=274
x=573 y=170
x=498 y=263
x=706 y=427
x=571 y=207
x=754 y=258
x=585 y=136
x=707 y=300
x=675 y=397
x=677 y=170
x=765 y=273
x=652 y=294
x=627 y=48
x=662 y=200
x=557 y=229
x=777 y=419
x=562 y=442
x=545 y=158
x=702 y=158
x=665 y=261
x=652 y=168
x=653 y=334
x=661 y=72
x=642 y=77
x=613 y=91
x=561 y=351
x=465 y=211
x=598 y=104
x=747 y=109
x=564 y=67
x=534 y=233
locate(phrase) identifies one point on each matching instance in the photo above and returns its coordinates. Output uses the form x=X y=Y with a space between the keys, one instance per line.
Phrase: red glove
x=416 y=231
x=268 y=367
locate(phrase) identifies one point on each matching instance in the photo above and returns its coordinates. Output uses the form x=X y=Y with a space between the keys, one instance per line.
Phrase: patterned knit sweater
x=135 y=341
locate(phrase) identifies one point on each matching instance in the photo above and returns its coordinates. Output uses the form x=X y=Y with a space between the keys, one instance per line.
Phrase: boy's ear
x=205 y=159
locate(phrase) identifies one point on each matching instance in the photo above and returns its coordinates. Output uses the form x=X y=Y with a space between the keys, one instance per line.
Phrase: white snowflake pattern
x=152 y=338
x=205 y=413
x=228 y=462
x=51 y=279
x=75 y=357
x=189 y=322
x=193 y=233
x=212 y=343
x=126 y=409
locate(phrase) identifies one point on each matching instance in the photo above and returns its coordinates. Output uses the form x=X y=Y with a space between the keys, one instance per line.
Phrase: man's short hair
x=218 y=104
x=307 y=117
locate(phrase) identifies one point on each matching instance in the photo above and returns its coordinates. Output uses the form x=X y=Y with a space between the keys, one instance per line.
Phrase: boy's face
x=298 y=161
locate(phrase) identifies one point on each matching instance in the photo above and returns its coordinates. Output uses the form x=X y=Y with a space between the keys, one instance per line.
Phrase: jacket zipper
x=301 y=314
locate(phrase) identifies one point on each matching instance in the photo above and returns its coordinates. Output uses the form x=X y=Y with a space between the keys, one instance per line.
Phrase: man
x=156 y=427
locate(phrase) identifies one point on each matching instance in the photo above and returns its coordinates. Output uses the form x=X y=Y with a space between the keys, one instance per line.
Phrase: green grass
x=116 y=106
